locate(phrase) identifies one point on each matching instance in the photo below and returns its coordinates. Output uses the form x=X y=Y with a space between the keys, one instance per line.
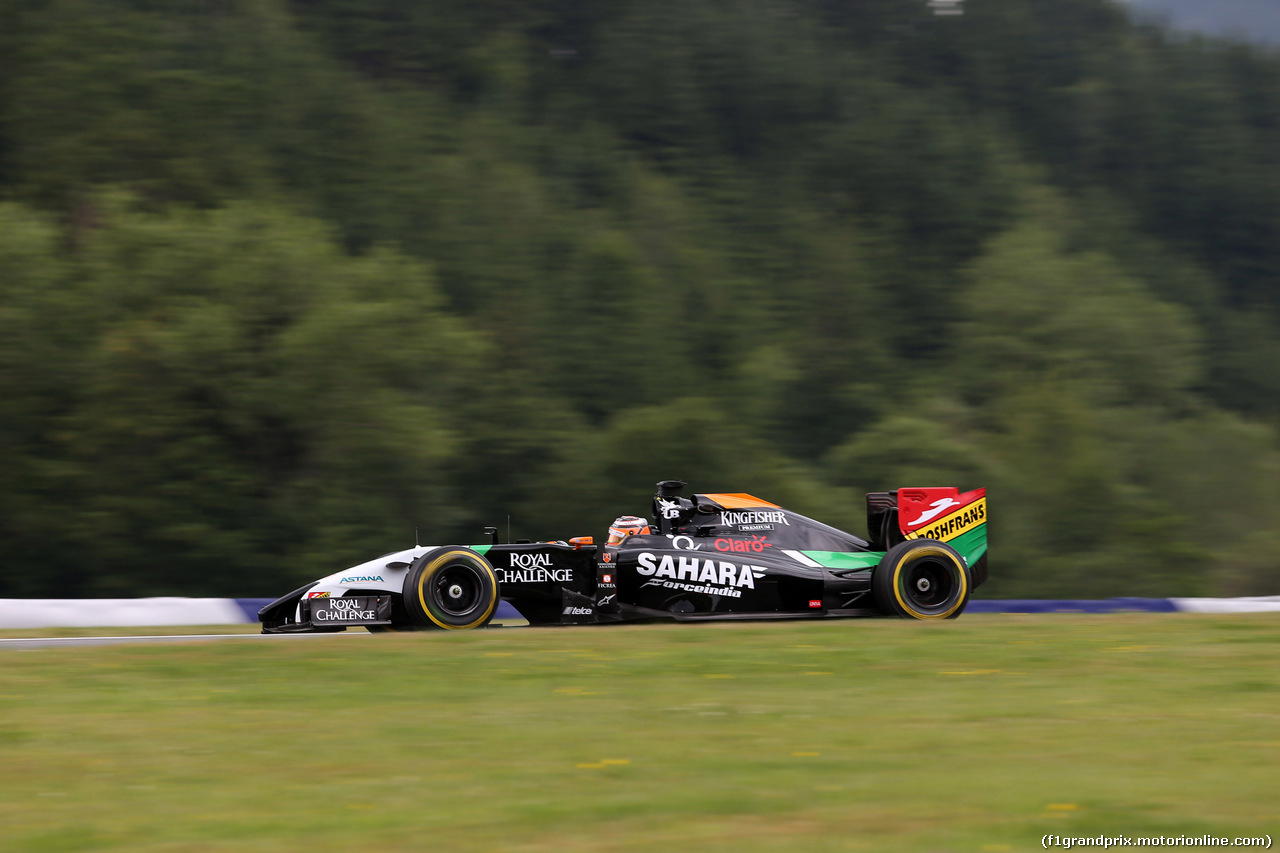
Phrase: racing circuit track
x=48 y=642
x=1100 y=606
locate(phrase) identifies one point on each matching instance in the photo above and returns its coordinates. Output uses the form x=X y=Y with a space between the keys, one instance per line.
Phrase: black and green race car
x=707 y=557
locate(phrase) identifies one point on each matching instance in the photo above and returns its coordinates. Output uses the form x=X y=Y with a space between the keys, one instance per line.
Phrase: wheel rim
x=457 y=589
x=928 y=584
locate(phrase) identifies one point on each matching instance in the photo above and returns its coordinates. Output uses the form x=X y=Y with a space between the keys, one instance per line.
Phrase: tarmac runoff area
x=134 y=614
x=16 y=643
x=49 y=642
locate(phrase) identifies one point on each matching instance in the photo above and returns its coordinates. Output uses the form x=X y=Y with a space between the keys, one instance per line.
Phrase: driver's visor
x=617 y=534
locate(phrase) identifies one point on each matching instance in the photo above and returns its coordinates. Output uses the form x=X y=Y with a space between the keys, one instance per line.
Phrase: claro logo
x=755 y=543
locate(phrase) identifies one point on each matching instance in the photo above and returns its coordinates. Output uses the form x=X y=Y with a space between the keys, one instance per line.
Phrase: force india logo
x=533 y=568
x=713 y=577
x=961 y=521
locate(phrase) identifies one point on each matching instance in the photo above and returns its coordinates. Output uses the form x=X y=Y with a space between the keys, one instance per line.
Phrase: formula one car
x=712 y=557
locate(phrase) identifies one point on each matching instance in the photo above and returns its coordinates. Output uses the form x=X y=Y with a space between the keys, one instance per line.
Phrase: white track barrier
x=118 y=612
x=1258 y=604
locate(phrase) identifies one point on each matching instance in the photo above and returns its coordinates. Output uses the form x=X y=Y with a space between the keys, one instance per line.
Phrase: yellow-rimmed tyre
x=922 y=579
x=453 y=588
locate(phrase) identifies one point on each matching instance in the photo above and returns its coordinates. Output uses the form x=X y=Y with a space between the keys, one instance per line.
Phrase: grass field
x=980 y=734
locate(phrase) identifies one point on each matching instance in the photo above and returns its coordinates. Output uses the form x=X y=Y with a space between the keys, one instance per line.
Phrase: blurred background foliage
x=280 y=281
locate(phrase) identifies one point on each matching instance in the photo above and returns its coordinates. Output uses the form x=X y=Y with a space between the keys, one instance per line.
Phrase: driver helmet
x=627 y=525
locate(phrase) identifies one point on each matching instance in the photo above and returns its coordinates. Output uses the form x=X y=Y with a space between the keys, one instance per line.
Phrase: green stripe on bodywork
x=480 y=549
x=845 y=560
x=971 y=544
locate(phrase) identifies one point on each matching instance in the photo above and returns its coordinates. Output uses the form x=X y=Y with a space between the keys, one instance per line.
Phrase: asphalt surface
x=48 y=642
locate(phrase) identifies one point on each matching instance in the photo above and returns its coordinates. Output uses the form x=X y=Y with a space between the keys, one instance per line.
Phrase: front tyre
x=922 y=579
x=451 y=588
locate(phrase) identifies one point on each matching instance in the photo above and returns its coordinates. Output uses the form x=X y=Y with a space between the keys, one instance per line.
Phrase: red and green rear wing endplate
x=945 y=514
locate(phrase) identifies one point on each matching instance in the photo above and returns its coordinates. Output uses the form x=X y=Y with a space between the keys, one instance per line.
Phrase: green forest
x=281 y=281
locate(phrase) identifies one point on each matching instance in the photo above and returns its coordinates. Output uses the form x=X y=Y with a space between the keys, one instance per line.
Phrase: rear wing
x=946 y=514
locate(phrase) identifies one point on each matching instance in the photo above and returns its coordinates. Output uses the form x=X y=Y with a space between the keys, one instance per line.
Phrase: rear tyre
x=452 y=588
x=922 y=579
